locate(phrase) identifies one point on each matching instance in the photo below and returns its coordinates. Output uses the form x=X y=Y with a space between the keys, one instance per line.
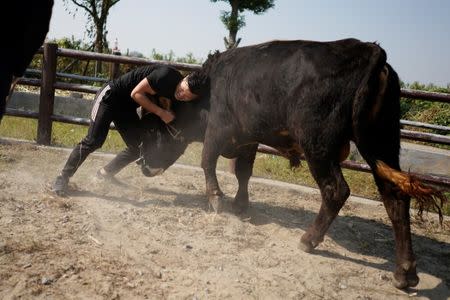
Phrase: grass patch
x=64 y=135
x=274 y=167
x=18 y=128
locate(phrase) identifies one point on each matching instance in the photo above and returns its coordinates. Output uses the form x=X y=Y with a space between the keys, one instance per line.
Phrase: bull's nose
x=151 y=172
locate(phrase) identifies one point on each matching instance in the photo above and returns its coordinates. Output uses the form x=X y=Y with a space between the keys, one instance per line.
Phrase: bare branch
x=82 y=6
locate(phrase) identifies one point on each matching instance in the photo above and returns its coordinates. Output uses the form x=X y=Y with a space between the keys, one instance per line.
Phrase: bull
x=303 y=98
x=22 y=37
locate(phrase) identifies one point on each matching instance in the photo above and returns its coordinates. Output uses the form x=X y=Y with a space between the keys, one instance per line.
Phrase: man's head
x=191 y=86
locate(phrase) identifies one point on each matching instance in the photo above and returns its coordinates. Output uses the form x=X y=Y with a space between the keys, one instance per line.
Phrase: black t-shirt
x=162 y=79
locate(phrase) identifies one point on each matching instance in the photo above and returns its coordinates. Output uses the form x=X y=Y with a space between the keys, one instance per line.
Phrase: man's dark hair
x=198 y=82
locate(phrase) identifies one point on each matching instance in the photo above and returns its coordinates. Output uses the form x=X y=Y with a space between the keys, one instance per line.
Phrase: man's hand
x=167 y=116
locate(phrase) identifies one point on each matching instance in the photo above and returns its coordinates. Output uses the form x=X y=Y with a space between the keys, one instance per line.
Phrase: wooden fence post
x=47 y=96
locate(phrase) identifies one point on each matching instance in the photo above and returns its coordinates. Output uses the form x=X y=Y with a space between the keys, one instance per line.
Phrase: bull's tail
x=376 y=132
x=427 y=198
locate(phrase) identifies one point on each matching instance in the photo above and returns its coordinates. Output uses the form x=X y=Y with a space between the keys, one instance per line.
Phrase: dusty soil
x=157 y=238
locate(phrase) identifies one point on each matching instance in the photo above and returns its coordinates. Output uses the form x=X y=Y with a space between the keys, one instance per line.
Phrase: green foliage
x=97 y=12
x=234 y=20
x=188 y=58
x=160 y=56
x=256 y=6
x=67 y=43
x=410 y=107
x=135 y=54
x=71 y=43
x=232 y=23
x=437 y=113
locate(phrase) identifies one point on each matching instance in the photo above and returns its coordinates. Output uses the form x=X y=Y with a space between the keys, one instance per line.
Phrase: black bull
x=24 y=29
x=302 y=98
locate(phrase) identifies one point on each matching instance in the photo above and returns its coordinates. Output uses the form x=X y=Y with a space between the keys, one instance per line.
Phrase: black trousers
x=127 y=124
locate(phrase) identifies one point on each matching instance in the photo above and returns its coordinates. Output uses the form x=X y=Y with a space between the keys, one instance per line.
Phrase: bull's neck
x=200 y=126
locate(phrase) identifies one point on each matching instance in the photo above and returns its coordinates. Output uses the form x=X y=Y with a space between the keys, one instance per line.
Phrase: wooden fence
x=48 y=84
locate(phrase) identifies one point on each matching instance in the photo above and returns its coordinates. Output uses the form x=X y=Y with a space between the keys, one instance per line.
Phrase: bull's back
x=282 y=61
x=271 y=82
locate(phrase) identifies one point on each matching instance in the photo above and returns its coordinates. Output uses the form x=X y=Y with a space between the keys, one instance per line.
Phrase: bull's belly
x=286 y=146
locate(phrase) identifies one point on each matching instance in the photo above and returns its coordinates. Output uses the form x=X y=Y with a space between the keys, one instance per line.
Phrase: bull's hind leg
x=397 y=206
x=243 y=171
x=334 y=191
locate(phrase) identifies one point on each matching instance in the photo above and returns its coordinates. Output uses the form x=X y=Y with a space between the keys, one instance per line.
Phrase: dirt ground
x=157 y=238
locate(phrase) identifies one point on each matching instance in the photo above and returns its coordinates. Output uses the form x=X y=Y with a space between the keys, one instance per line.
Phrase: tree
x=234 y=20
x=97 y=13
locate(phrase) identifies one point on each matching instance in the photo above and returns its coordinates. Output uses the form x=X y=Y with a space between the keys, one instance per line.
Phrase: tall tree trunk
x=98 y=19
x=233 y=29
x=99 y=47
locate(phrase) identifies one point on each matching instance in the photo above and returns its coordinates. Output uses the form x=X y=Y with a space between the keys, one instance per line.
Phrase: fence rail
x=430 y=96
x=123 y=59
x=425 y=125
x=48 y=85
x=69 y=76
x=352 y=165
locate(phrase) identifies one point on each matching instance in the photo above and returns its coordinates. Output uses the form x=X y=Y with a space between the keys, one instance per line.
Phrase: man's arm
x=139 y=95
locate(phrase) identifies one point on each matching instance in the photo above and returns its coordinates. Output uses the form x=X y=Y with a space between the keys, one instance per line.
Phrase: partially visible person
x=24 y=28
x=118 y=102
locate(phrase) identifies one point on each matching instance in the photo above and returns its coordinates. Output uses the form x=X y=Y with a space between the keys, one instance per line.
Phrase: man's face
x=182 y=92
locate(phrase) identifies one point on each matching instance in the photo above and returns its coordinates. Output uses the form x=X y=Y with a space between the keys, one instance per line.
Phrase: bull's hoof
x=239 y=207
x=405 y=282
x=406 y=276
x=307 y=244
x=413 y=281
x=216 y=202
x=151 y=172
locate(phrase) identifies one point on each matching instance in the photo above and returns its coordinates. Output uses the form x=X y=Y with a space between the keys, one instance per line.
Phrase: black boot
x=60 y=185
x=103 y=176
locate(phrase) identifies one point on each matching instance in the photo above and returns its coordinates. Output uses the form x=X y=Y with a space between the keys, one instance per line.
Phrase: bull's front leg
x=243 y=170
x=211 y=151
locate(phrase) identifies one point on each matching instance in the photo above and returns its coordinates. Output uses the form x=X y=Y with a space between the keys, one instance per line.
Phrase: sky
x=414 y=33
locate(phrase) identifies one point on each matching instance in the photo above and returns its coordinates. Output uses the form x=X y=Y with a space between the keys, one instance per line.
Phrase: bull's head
x=163 y=144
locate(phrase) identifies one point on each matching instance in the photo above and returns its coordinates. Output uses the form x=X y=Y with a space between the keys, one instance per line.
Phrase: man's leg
x=98 y=130
x=129 y=128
